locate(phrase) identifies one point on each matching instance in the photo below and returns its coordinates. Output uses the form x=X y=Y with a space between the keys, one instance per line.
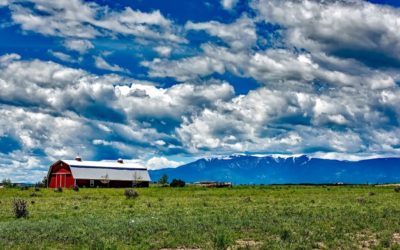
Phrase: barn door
x=61 y=180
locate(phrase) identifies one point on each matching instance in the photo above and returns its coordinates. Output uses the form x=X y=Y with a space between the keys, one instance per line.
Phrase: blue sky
x=166 y=82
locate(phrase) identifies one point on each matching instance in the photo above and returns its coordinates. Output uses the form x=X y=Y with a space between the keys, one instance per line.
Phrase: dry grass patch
x=396 y=238
x=246 y=244
x=181 y=248
x=367 y=240
x=319 y=245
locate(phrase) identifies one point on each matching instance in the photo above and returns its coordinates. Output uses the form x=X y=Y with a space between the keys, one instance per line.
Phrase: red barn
x=70 y=173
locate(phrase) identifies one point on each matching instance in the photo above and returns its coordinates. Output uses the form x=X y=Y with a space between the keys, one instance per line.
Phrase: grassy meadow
x=260 y=217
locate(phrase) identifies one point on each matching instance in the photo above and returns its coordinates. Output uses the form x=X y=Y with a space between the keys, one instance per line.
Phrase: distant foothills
x=247 y=169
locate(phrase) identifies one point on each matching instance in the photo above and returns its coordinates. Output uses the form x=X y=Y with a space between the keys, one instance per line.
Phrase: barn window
x=92 y=183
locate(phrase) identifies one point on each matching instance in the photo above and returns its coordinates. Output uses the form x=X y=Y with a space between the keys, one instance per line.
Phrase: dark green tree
x=163 y=180
x=42 y=183
x=7 y=183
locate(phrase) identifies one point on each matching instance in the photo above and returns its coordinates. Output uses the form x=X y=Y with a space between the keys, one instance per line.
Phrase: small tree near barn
x=42 y=183
x=163 y=179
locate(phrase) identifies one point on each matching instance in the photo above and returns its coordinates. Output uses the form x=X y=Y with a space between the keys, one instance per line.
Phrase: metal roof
x=100 y=170
x=104 y=164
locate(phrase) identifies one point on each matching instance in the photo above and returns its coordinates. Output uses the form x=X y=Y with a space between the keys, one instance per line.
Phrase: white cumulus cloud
x=229 y=4
x=103 y=64
x=162 y=162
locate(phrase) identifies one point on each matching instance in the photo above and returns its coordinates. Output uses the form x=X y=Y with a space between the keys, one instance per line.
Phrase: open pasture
x=260 y=217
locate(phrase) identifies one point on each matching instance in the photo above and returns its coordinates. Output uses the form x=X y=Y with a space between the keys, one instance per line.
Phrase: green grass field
x=262 y=217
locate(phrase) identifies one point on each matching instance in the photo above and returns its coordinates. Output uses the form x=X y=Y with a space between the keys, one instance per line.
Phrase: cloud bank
x=284 y=77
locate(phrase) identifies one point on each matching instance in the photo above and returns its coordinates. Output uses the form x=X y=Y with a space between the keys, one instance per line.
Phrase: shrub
x=361 y=200
x=76 y=188
x=24 y=188
x=247 y=199
x=397 y=189
x=371 y=193
x=286 y=235
x=37 y=189
x=130 y=193
x=20 y=208
x=58 y=190
x=34 y=194
x=385 y=243
x=177 y=183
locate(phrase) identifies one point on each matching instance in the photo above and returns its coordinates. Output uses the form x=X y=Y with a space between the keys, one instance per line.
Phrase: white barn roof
x=100 y=170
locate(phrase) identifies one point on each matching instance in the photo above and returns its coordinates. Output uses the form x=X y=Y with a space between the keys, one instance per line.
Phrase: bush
x=361 y=200
x=76 y=188
x=177 y=183
x=24 y=188
x=37 y=189
x=58 y=190
x=20 y=208
x=397 y=189
x=130 y=193
x=247 y=199
x=286 y=235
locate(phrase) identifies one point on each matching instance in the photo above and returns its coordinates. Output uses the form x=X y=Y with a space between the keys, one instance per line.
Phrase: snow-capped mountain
x=245 y=169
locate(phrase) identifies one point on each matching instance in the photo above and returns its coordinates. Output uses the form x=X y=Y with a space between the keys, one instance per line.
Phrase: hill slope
x=276 y=170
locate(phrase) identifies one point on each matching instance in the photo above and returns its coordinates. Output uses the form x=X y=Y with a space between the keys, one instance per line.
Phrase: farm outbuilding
x=70 y=173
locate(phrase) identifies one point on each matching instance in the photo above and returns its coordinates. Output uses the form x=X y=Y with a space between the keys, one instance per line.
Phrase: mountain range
x=247 y=169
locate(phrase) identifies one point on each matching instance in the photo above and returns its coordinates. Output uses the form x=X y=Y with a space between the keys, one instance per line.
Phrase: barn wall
x=83 y=183
x=111 y=184
x=128 y=184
